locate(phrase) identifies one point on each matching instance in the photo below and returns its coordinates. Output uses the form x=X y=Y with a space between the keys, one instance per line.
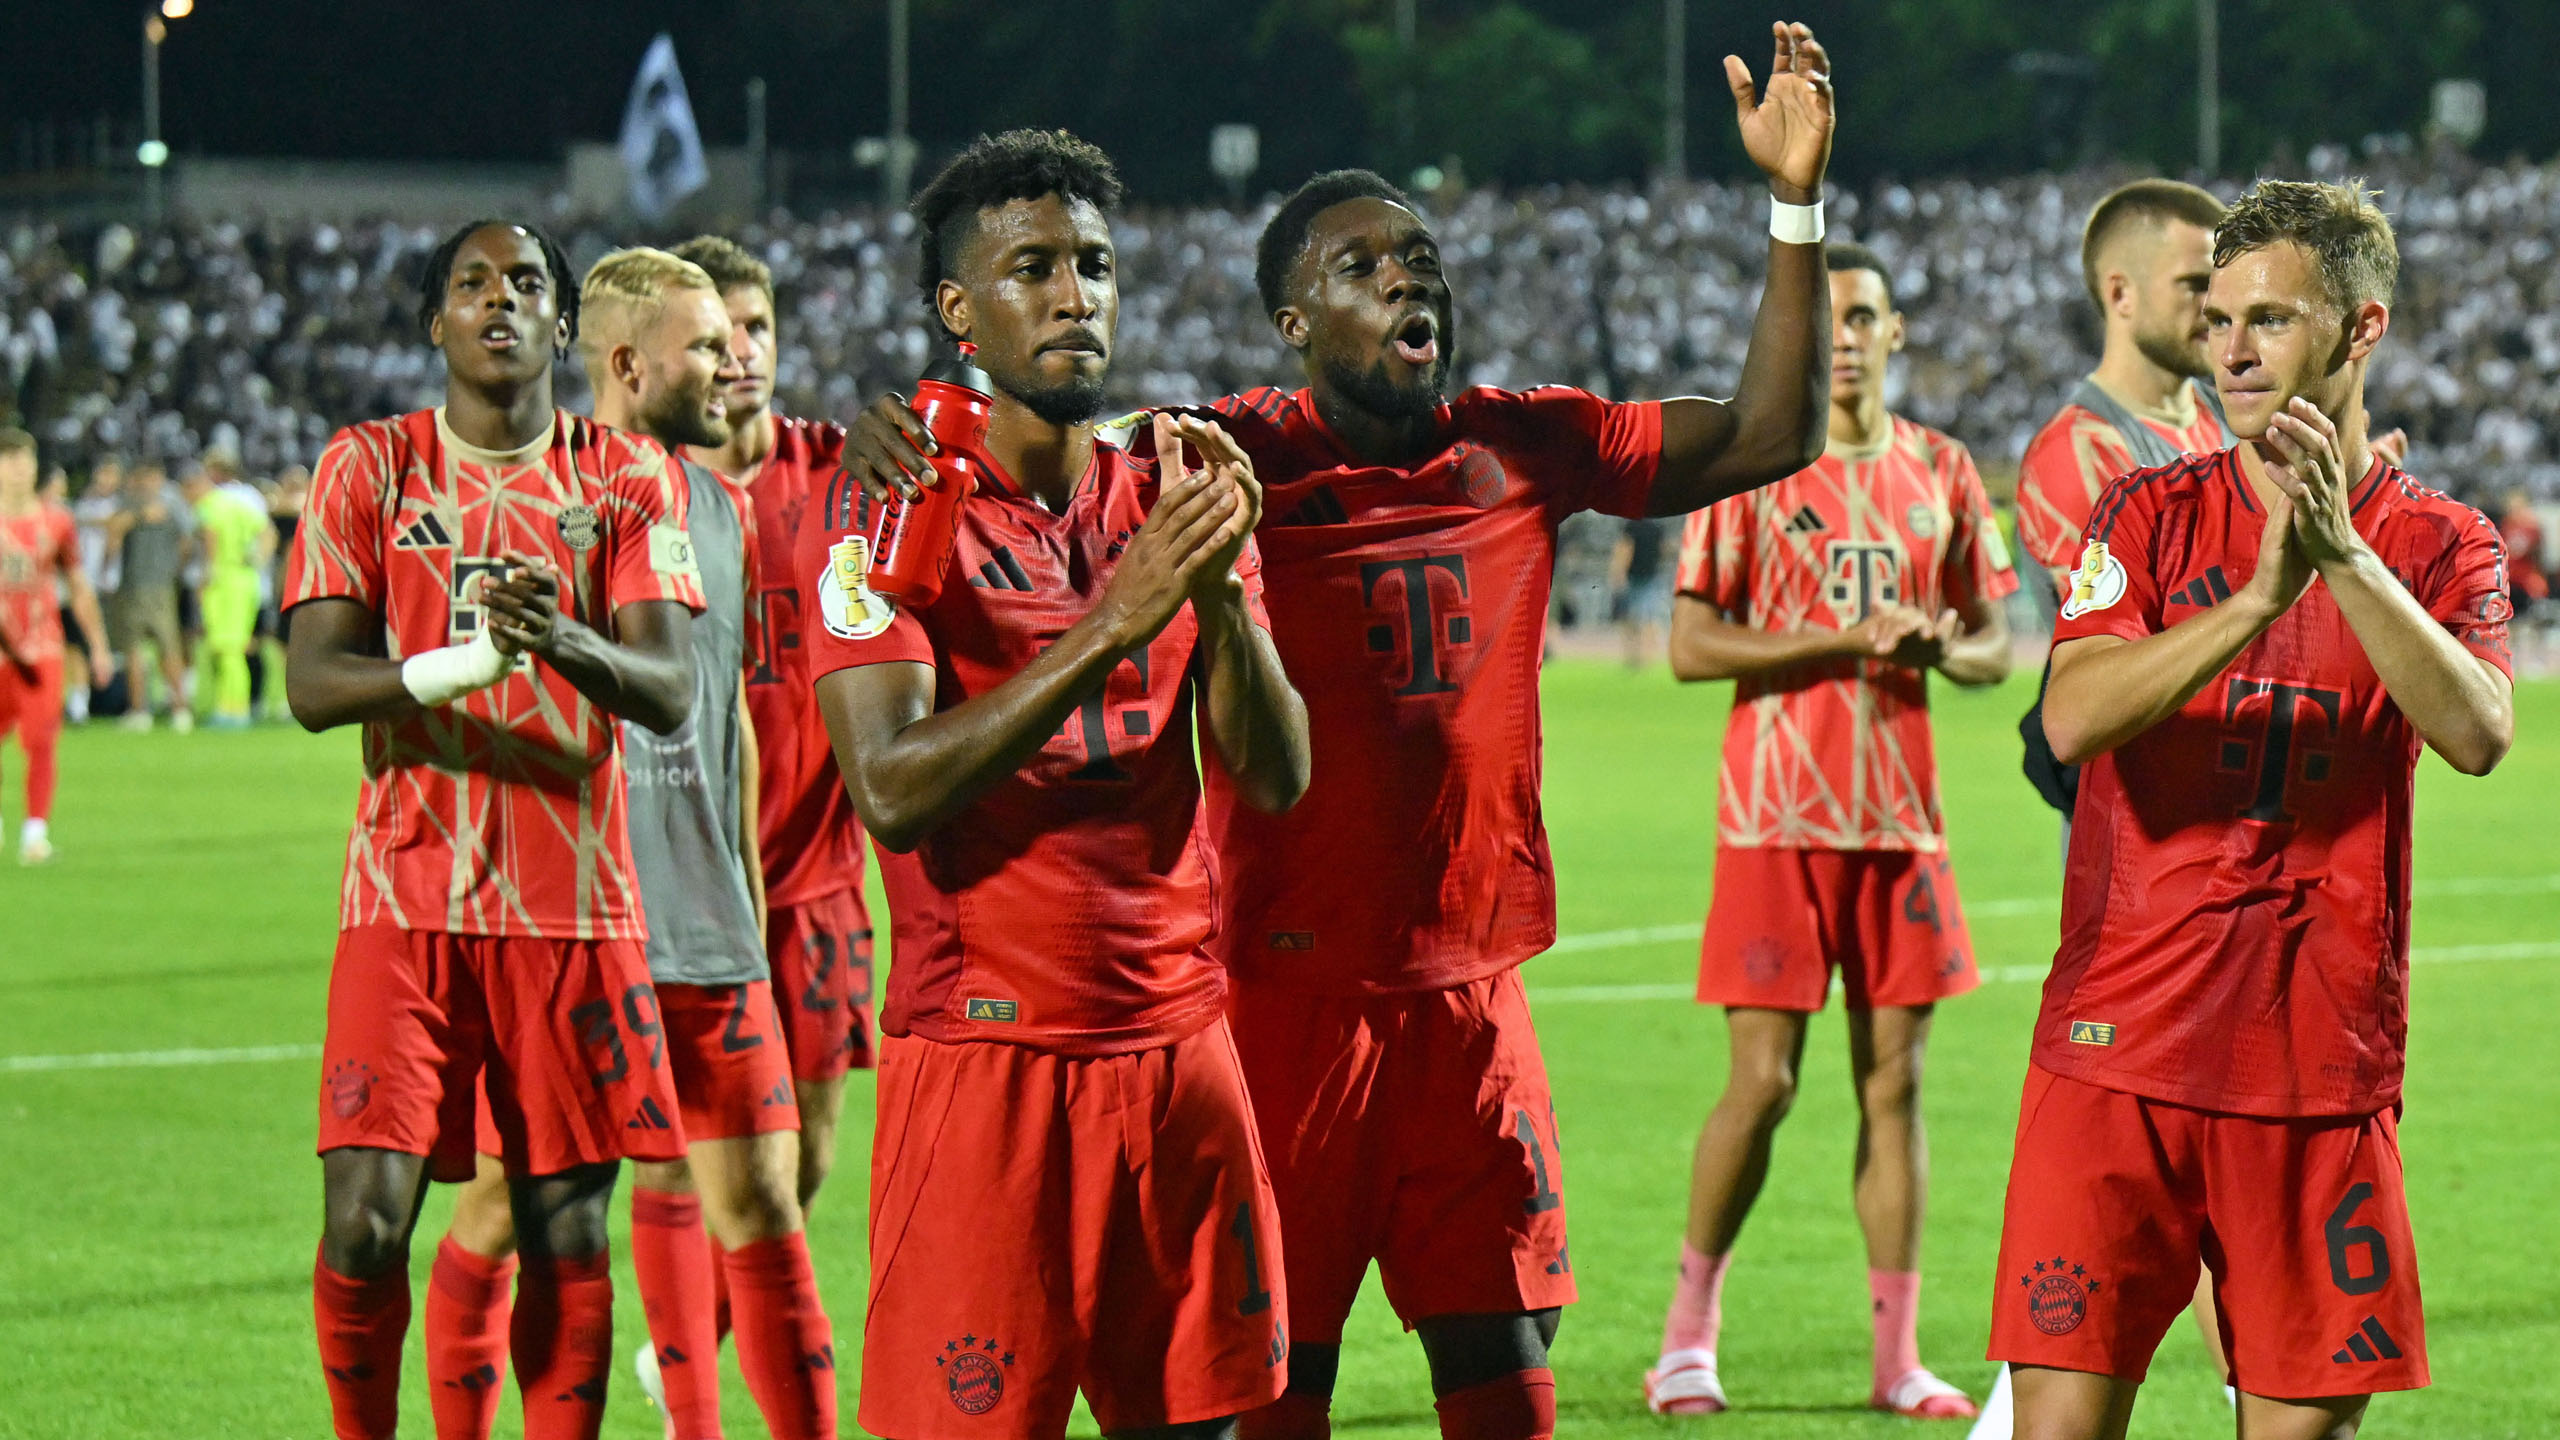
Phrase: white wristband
x=1795 y=224
x=440 y=677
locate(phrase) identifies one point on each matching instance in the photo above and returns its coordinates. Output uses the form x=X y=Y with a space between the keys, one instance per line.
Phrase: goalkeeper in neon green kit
x=236 y=541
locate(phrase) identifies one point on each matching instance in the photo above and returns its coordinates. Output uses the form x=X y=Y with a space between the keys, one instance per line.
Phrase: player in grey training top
x=655 y=338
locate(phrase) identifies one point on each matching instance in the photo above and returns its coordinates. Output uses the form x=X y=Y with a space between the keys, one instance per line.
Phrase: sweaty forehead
x=1047 y=222
x=2279 y=274
x=503 y=247
x=1364 y=221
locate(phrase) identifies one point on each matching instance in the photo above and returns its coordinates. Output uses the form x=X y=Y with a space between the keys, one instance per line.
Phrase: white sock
x=33 y=832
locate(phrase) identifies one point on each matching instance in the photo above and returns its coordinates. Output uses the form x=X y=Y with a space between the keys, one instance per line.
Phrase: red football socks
x=1897 y=1315
x=361 y=1324
x=1696 y=1320
x=785 y=1344
x=563 y=1344
x=719 y=1261
x=467 y=1304
x=41 y=770
x=1519 y=1406
x=1291 y=1417
x=671 y=1254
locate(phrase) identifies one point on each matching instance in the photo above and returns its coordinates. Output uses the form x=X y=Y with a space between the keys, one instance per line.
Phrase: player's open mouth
x=1417 y=341
x=500 y=337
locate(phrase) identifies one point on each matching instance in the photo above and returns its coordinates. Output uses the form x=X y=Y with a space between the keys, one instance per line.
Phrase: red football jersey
x=502 y=813
x=37 y=551
x=1409 y=605
x=805 y=823
x=2235 y=911
x=1070 y=906
x=1837 y=755
x=2070 y=460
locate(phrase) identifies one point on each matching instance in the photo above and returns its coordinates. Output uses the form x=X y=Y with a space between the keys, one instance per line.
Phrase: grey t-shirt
x=685 y=839
x=151 y=545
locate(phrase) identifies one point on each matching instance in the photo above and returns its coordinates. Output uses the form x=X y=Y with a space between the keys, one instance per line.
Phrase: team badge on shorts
x=2097 y=583
x=846 y=601
x=579 y=527
x=1764 y=962
x=973 y=1372
x=350 y=1088
x=2058 y=1295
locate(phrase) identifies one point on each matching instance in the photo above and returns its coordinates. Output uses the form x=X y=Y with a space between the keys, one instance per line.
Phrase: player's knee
x=766 y=1207
x=367 y=1233
x=564 y=1215
x=1891 y=1092
x=1763 y=1089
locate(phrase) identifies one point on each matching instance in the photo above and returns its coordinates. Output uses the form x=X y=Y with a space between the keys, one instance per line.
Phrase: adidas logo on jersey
x=2358 y=1351
x=1804 y=522
x=425 y=533
x=1002 y=572
x=1322 y=507
x=2206 y=590
x=648 y=1117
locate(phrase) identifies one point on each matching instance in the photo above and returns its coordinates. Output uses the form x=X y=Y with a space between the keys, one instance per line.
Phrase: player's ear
x=1895 y=332
x=1291 y=322
x=623 y=361
x=951 y=305
x=2366 y=325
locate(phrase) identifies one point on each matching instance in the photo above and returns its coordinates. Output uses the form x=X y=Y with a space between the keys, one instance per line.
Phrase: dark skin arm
x=910 y=769
x=336 y=672
x=1256 y=720
x=1775 y=423
x=646 y=677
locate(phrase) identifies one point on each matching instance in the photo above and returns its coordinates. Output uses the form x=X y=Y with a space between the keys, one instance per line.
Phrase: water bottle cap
x=961 y=371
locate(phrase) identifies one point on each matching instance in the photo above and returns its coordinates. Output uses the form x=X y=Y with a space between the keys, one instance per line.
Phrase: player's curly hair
x=437 y=273
x=2347 y=234
x=1016 y=165
x=1285 y=238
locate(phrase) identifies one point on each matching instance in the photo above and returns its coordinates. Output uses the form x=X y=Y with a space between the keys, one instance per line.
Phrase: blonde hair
x=2347 y=235
x=622 y=295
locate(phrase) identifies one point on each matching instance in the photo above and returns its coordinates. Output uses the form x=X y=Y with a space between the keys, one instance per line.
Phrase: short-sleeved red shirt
x=38 y=550
x=1409 y=606
x=805 y=824
x=2235 y=926
x=502 y=813
x=1070 y=906
x=1837 y=755
x=2071 y=459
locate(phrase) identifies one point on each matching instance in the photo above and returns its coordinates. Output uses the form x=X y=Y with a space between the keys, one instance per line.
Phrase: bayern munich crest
x=580 y=527
x=350 y=1088
x=973 y=1371
x=2058 y=1295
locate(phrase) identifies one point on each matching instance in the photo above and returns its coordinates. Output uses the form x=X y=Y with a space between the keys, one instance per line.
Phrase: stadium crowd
x=254 y=341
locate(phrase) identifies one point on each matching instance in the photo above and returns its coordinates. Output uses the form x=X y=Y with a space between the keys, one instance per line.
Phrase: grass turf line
x=162 y=1221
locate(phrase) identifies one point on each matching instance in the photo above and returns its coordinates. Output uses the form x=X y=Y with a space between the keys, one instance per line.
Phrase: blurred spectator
x=152 y=535
x=2520 y=526
x=99 y=500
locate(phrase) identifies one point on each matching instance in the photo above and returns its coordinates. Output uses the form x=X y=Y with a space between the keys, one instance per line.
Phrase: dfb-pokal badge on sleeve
x=846 y=601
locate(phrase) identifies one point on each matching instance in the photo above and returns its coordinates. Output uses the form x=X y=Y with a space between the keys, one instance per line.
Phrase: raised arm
x=643 y=675
x=1775 y=422
x=2460 y=704
x=2107 y=689
x=910 y=768
x=1256 y=719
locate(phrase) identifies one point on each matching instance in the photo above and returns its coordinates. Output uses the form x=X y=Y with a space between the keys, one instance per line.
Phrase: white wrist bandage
x=440 y=677
x=1795 y=224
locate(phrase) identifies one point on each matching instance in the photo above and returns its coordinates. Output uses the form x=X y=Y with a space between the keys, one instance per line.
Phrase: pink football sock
x=1897 y=1317
x=1697 y=1302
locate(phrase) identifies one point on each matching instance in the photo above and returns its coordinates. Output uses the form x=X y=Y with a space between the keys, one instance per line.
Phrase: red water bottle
x=911 y=544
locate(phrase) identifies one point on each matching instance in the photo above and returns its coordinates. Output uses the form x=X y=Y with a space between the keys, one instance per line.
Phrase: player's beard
x=2176 y=351
x=1372 y=391
x=683 y=416
x=1072 y=401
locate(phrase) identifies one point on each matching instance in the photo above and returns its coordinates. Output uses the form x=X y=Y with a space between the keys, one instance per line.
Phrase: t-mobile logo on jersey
x=1863 y=575
x=1422 y=628
x=2271 y=735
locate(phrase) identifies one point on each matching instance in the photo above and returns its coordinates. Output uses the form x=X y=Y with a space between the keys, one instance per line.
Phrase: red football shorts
x=1782 y=919
x=1412 y=1129
x=31 y=701
x=1042 y=1224
x=821 y=958
x=2115 y=1199
x=568 y=1032
x=724 y=1046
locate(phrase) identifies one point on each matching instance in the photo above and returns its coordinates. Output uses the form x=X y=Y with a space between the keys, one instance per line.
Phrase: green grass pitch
x=159 y=1222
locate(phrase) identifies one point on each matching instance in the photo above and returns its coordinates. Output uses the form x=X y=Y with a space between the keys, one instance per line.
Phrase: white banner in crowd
x=661 y=148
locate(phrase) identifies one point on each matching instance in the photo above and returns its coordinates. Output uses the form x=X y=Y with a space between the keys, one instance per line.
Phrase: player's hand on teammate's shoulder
x=523 y=604
x=1787 y=127
x=887 y=449
x=2308 y=467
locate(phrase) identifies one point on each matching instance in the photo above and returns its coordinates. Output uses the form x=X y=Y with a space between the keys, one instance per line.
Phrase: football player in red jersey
x=1066 y=1189
x=1830 y=596
x=1374 y=931
x=453 y=587
x=819 y=936
x=2216 y=1072
x=39 y=547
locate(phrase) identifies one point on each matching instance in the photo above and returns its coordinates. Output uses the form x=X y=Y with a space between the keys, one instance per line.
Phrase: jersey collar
x=1306 y=403
x=523 y=455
